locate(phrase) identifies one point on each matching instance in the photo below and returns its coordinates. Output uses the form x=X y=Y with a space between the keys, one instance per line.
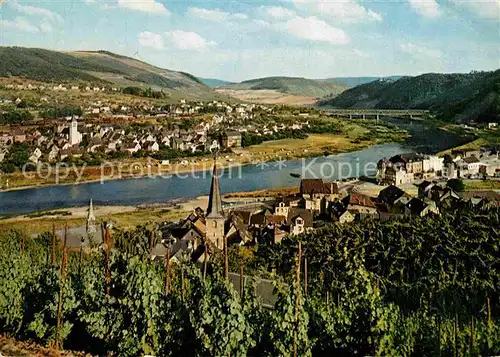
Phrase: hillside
x=291 y=85
x=98 y=67
x=214 y=83
x=356 y=81
x=453 y=97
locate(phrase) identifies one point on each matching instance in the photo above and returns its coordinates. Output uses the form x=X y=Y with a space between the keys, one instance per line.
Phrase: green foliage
x=147 y=92
x=456 y=185
x=15 y=117
x=419 y=287
x=288 y=325
x=55 y=113
x=248 y=139
x=217 y=317
x=42 y=306
x=16 y=157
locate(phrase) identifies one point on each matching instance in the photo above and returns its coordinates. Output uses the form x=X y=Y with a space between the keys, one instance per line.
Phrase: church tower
x=215 y=216
x=91 y=221
x=75 y=137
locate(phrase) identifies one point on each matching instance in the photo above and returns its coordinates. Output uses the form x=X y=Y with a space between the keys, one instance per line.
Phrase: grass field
x=267 y=96
x=482 y=185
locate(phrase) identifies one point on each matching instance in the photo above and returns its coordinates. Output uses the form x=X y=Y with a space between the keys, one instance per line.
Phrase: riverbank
x=123 y=217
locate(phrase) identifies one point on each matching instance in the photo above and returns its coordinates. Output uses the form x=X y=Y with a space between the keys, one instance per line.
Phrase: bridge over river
x=415 y=114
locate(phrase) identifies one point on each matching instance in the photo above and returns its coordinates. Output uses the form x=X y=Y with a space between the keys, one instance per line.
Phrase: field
x=482 y=185
x=267 y=96
x=123 y=217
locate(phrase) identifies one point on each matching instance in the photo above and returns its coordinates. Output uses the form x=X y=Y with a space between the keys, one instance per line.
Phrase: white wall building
x=75 y=137
x=432 y=163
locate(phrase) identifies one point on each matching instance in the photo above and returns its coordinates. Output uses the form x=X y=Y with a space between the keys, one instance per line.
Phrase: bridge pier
x=350 y=116
x=364 y=116
x=378 y=117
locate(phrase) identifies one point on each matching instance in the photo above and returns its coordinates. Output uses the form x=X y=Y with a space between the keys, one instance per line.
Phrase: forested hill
x=291 y=85
x=356 y=81
x=454 y=97
x=213 y=82
x=91 y=66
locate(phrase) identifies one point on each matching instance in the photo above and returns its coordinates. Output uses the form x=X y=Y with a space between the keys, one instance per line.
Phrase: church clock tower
x=215 y=216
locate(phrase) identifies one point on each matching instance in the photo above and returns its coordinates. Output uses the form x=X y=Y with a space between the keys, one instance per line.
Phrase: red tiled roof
x=358 y=199
x=310 y=186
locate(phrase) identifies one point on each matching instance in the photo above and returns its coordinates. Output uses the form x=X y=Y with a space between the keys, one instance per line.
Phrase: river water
x=247 y=178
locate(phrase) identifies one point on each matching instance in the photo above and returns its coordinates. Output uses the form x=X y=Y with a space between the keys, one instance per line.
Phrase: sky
x=240 y=40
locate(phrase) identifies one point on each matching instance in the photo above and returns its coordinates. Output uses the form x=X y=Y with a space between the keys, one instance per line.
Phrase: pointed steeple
x=91 y=221
x=214 y=209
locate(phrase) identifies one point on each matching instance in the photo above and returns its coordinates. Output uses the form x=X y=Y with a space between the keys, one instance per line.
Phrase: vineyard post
x=107 y=241
x=182 y=283
x=53 y=261
x=151 y=236
x=167 y=272
x=488 y=300
x=439 y=335
x=241 y=281
x=226 y=261
x=297 y=300
x=205 y=257
x=305 y=276
x=62 y=278
x=472 y=334
x=22 y=241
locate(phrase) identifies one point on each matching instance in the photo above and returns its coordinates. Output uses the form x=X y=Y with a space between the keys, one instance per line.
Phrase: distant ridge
x=291 y=85
x=99 y=67
x=356 y=81
x=214 y=83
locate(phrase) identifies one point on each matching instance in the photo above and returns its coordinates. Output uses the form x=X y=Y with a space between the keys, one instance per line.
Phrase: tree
x=456 y=185
x=17 y=156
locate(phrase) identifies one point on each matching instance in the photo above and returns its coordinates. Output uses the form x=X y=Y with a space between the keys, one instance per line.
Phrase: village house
x=360 y=206
x=35 y=155
x=6 y=140
x=470 y=165
x=231 y=139
x=316 y=194
x=300 y=220
x=19 y=136
x=131 y=147
x=418 y=207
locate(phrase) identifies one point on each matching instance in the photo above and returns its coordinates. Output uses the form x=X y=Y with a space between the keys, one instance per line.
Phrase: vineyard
x=416 y=287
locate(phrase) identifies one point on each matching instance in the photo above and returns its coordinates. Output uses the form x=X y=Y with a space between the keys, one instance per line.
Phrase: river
x=247 y=178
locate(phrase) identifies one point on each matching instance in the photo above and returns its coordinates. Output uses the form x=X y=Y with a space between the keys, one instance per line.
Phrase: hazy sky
x=237 y=40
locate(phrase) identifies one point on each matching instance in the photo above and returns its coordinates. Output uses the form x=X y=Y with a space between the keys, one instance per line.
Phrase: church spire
x=214 y=201
x=91 y=221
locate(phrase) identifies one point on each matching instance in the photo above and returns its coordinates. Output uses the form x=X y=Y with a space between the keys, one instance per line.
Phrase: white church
x=75 y=137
